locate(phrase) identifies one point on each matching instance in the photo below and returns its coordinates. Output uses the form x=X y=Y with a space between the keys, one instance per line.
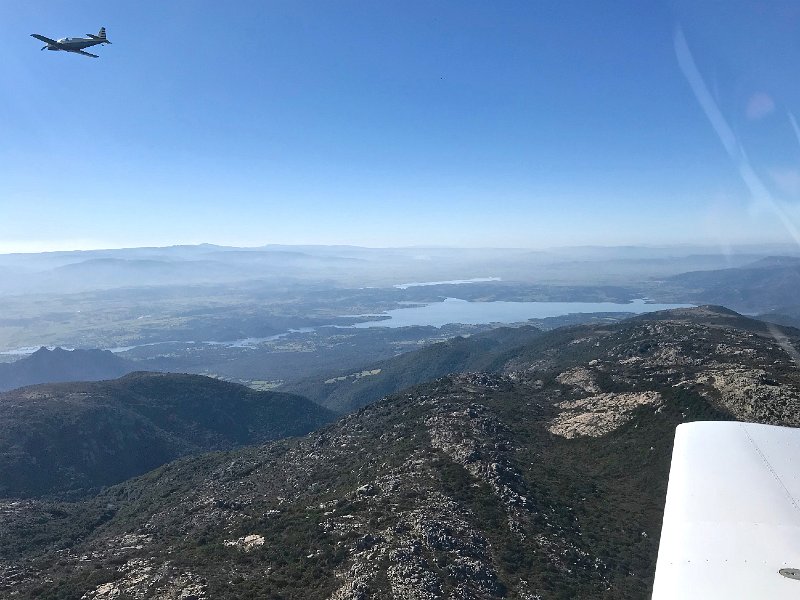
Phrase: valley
x=283 y=323
x=457 y=437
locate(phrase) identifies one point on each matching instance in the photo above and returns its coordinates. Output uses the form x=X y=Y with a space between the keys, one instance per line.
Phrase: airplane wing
x=732 y=518
x=84 y=53
x=46 y=40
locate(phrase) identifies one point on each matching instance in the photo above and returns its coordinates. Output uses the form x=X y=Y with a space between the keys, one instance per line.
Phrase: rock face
x=543 y=479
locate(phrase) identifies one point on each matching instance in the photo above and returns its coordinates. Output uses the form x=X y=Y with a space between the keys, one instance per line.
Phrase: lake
x=405 y=286
x=454 y=310
x=436 y=314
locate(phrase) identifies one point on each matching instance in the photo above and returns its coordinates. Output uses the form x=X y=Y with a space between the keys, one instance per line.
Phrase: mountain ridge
x=759 y=286
x=543 y=479
x=349 y=391
x=60 y=365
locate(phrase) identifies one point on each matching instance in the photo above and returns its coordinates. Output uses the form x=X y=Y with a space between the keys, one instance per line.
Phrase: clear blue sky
x=398 y=123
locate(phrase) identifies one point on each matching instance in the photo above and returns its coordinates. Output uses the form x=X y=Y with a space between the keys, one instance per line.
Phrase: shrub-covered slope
x=73 y=437
x=350 y=391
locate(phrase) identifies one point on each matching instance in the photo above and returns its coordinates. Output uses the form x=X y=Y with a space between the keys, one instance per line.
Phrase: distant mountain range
x=171 y=266
x=50 y=366
x=764 y=285
x=77 y=271
x=73 y=437
x=543 y=477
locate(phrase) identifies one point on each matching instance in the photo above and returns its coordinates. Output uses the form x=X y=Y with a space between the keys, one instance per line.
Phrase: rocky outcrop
x=246 y=543
x=752 y=395
x=599 y=414
x=140 y=579
x=581 y=378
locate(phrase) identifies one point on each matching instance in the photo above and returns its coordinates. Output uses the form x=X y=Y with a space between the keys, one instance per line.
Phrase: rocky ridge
x=542 y=479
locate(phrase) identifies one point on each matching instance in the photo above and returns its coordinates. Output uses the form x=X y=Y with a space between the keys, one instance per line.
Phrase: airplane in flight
x=75 y=45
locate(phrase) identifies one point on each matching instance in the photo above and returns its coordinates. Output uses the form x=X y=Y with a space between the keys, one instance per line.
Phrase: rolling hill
x=72 y=438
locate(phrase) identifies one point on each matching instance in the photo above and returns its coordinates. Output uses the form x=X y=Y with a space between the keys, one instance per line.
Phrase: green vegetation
x=75 y=437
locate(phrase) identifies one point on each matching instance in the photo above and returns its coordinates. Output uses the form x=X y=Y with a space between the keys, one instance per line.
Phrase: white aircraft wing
x=732 y=518
x=46 y=40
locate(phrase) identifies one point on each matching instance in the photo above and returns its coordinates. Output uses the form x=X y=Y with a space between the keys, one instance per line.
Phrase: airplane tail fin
x=101 y=36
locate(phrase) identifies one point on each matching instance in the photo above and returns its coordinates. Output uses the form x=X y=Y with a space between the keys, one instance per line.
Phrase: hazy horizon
x=788 y=247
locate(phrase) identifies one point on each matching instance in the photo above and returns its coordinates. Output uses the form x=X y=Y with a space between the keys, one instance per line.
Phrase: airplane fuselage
x=74 y=44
